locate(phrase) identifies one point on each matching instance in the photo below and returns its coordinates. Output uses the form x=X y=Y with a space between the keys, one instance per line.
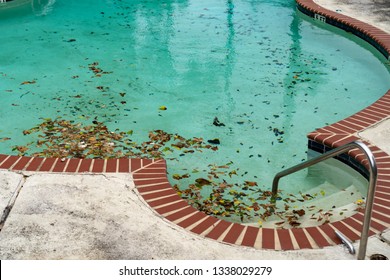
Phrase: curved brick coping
x=73 y=165
x=151 y=180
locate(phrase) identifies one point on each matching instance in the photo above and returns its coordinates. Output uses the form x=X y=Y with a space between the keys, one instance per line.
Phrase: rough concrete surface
x=102 y=217
x=9 y=183
x=378 y=134
x=374 y=12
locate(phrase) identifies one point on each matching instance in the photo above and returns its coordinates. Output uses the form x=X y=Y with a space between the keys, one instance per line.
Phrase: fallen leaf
x=250 y=183
x=28 y=82
x=300 y=212
x=202 y=182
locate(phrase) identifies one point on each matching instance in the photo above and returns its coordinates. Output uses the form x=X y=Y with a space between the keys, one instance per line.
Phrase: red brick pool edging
x=150 y=176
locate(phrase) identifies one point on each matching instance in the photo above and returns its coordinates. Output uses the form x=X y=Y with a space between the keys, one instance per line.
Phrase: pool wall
x=153 y=186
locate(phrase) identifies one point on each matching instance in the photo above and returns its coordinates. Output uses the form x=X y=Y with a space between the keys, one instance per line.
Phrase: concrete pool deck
x=60 y=215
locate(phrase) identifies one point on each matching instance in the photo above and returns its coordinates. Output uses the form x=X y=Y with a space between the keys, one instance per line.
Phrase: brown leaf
x=22 y=149
x=300 y=212
x=256 y=206
x=294 y=223
x=202 y=182
x=251 y=184
x=28 y=82
x=179 y=145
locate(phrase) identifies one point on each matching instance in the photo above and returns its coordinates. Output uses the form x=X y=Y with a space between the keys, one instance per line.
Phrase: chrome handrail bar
x=373 y=171
x=347 y=242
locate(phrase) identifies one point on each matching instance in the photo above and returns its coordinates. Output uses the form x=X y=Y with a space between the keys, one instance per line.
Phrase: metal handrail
x=371 y=187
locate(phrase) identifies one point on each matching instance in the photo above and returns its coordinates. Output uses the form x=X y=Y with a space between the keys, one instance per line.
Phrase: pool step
x=326 y=206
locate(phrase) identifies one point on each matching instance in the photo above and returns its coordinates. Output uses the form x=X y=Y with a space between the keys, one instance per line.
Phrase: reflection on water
x=16 y=8
x=42 y=7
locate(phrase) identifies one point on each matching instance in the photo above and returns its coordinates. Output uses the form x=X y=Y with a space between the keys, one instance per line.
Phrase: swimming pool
x=267 y=74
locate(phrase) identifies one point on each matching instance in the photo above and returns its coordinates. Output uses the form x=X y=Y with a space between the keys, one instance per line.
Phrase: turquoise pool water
x=265 y=71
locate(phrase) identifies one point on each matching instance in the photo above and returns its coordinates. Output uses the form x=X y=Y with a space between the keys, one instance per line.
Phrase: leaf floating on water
x=300 y=212
x=102 y=88
x=202 y=182
x=233 y=172
x=237 y=202
x=250 y=183
x=96 y=70
x=21 y=149
x=216 y=122
x=162 y=108
x=4 y=139
x=214 y=141
x=179 y=177
x=255 y=206
x=179 y=145
x=28 y=82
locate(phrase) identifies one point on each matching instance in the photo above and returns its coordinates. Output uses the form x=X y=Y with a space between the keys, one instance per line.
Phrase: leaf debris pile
x=66 y=139
x=217 y=191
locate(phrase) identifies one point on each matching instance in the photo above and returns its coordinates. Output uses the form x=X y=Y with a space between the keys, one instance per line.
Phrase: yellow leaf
x=359 y=201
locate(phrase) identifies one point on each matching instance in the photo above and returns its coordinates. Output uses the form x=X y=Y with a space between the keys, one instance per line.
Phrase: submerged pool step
x=335 y=199
x=330 y=204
